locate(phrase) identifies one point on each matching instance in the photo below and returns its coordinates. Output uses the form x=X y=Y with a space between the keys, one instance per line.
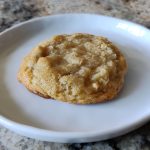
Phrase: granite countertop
x=15 y=11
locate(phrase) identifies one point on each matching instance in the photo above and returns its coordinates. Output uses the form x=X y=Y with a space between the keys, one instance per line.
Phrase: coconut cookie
x=78 y=68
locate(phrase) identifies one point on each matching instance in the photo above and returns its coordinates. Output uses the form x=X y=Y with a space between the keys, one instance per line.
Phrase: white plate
x=33 y=116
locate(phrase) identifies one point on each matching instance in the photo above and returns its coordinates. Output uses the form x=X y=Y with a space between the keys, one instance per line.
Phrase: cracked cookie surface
x=77 y=68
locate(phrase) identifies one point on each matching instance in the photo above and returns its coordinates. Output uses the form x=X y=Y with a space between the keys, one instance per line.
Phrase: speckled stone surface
x=15 y=11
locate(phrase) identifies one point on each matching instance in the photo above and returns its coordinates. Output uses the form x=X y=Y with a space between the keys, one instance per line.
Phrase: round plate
x=50 y=120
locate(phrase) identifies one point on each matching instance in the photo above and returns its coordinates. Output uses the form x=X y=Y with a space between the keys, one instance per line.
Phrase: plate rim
x=70 y=136
x=70 y=14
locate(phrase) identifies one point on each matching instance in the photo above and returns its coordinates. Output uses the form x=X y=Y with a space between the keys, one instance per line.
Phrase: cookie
x=78 y=68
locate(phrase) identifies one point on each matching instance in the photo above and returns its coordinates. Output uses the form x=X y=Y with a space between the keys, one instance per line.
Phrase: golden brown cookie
x=77 y=68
